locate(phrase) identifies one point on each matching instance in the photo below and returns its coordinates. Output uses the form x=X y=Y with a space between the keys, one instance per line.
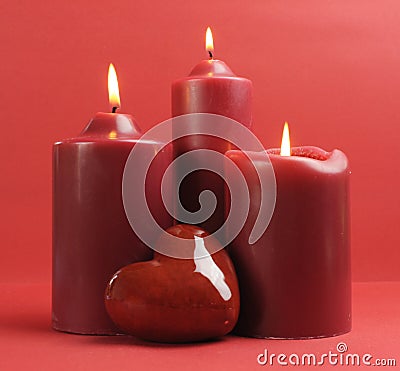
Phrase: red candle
x=211 y=87
x=295 y=281
x=91 y=234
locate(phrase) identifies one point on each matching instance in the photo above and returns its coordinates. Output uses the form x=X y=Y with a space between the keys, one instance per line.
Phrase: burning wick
x=113 y=89
x=209 y=43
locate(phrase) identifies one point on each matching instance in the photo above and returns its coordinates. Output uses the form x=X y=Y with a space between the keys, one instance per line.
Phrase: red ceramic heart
x=177 y=300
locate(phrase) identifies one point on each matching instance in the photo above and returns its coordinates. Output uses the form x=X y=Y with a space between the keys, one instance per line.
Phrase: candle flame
x=209 y=42
x=113 y=90
x=285 y=146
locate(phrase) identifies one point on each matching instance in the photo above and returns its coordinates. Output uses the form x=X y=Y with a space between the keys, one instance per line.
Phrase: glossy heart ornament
x=177 y=300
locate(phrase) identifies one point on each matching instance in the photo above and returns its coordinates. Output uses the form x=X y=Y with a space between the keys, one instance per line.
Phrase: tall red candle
x=211 y=87
x=91 y=234
x=295 y=281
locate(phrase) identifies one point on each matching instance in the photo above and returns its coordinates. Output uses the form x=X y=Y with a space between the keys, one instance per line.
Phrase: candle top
x=111 y=126
x=301 y=157
x=334 y=161
x=212 y=68
x=305 y=151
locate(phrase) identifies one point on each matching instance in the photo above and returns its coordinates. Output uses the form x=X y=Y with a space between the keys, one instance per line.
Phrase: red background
x=330 y=68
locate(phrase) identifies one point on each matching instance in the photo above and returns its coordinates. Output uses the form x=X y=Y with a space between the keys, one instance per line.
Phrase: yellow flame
x=285 y=146
x=113 y=90
x=209 y=41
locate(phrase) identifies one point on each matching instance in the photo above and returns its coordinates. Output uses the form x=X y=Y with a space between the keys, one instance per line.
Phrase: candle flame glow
x=112 y=134
x=113 y=90
x=285 y=146
x=209 y=42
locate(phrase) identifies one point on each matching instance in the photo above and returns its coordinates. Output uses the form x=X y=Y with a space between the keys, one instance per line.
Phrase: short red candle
x=92 y=237
x=295 y=281
x=211 y=87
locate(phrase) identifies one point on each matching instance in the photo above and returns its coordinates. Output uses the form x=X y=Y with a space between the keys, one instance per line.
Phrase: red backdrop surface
x=330 y=68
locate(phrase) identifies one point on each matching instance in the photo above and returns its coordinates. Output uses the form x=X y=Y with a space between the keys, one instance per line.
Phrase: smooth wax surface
x=295 y=281
x=91 y=235
x=211 y=87
x=176 y=300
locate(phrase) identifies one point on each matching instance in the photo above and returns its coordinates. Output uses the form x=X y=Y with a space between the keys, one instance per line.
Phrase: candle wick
x=210 y=54
x=114 y=109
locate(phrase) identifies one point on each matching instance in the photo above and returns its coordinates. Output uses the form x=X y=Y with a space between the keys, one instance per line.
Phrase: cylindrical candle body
x=92 y=237
x=211 y=87
x=295 y=281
